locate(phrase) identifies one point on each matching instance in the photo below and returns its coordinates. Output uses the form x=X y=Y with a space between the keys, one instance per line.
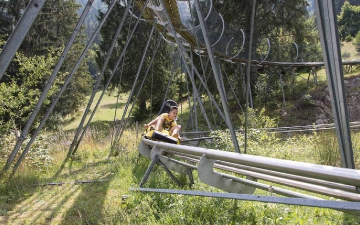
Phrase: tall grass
x=93 y=187
x=106 y=199
x=326 y=148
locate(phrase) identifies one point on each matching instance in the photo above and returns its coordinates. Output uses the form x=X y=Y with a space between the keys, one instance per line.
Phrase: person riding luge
x=164 y=127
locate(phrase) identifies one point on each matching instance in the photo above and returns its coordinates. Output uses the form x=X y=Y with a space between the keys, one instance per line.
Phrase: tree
x=349 y=20
x=283 y=23
x=357 y=41
x=41 y=50
x=19 y=95
x=340 y=3
x=156 y=82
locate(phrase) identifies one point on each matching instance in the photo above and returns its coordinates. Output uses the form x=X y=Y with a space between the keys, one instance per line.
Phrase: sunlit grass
x=348 y=51
x=108 y=110
x=93 y=187
x=106 y=199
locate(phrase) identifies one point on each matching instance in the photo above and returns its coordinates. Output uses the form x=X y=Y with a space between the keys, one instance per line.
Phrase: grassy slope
x=300 y=115
x=108 y=200
x=347 y=48
x=108 y=109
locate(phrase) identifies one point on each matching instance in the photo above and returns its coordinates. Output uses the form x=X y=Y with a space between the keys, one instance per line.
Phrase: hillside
x=316 y=108
x=313 y=106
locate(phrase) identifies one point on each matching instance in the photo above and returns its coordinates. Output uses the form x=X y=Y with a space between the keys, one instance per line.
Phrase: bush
x=345 y=55
x=348 y=38
x=357 y=41
x=327 y=149
x=38 y=156
x=306 y=100
x=257 y=135
x=139 y=114
x=258 y=119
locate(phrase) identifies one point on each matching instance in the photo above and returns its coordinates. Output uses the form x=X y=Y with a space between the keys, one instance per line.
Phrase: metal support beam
x=76 y=140
x=148 y=171
x=193 y=77
x=155 y=159
x=329 y=36
x=185 y=56
x=191 y=177
x=123 y=121
x=248 y=67
x=208 y=176
x=168 y=172
x=338 y=205
x=217 y=77
x=172 y=164
x=50 y=82
x=52 y=106
x=18 y=35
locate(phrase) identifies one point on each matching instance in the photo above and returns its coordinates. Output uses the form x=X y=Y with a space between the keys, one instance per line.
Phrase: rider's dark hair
x=172 y=108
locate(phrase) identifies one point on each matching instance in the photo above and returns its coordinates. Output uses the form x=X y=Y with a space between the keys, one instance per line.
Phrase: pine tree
x=282 y=22
x=46 y=39
x=156 y=82
x=357 y=41
x=349 y=20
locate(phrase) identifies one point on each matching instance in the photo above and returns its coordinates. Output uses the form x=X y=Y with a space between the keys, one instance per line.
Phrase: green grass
x=108 y=109
x=348 y=51
x=108 y=199
x=52 y=192
x=93 y=188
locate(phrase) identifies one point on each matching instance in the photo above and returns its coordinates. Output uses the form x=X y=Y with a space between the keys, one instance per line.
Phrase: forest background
x=28 y=73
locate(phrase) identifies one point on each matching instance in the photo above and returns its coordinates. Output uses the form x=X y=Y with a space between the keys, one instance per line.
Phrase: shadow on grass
x=351 y=219
x=96 y=124
x=90 y=194
x=30 y=200
x=156 y=177
x=12 y=193
x=113 y=106
x=77 y=171
x=139 y=170
x=89 y=203
x=103 y=126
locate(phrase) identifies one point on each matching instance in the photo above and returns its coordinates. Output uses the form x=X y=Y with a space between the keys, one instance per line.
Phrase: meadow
x=94 y=186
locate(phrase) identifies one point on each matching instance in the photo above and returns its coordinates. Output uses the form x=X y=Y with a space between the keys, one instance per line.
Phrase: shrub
x=305 y=100
x=139 y=114
x=327 y=149
x=38 y=157
x=345 y=55
x=257 y=121
x=39 y=154
x=357 y=41
x=348 y=38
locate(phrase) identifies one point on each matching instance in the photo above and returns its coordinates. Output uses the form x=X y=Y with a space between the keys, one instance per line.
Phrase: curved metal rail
x=229 y=43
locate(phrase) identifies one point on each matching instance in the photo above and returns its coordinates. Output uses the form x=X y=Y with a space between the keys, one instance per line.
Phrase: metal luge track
x=217 y=168
x=228 y=43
